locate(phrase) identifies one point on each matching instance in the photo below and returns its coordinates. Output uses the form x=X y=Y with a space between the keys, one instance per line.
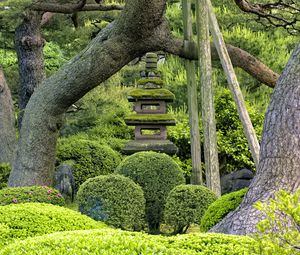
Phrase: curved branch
x=240 y=58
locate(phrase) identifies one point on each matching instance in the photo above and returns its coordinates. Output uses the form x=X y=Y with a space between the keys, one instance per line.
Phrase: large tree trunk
x=7 y=123
x=279 y=166
x=29 y=47
x=139 y=29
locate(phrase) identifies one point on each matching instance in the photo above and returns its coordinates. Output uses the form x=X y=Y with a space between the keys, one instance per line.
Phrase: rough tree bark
x=7 y=123
x=279 y=166
x=29 y=46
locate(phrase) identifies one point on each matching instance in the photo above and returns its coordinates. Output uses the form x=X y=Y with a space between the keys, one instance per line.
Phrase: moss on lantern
x=165 y=119
x=153 y=94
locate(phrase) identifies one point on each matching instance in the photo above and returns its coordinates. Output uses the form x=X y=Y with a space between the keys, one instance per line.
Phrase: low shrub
x=39 y=194
x=279 y=231
x=185 y=205
x=4 y=174
x=220 y=208
x=90 y=158
x=114 y=199
x=110 y=241
x=157 y=174
x=19 y=221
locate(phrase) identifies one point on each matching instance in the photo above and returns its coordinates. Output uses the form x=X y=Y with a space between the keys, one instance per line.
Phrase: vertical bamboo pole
x=233 y=84
x=207 y=102
x=196 y=177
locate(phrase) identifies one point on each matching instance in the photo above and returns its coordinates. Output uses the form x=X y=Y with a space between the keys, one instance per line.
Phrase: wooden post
x=233 y=84
x=208 y=111
x=196 y=177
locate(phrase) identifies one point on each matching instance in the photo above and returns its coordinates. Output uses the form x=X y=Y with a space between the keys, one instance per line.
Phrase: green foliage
x=279 y=232
x=39 y=194
x=157 y=174
x=113 y=199
x=4 y=174
x=186 y=205
x=110 y=241
x=220 y=208
x=90 y=158
x=19 y=221
x=53 y=57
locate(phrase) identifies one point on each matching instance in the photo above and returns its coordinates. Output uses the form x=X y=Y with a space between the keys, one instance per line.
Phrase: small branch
x=71 y=8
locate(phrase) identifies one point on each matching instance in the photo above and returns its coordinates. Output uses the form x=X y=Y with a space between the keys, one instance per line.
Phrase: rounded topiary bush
x=220 y=208
x=19 y=221
x=157 y=174
x=90 y=158
x=186 y=205
x=4 y=174
x=39 y=194
x=114 y=199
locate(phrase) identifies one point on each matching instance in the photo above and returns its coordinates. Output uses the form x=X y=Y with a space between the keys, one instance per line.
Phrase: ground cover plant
x=19 y=221
x=39 y=194
x=113 y=199
x=157 y=174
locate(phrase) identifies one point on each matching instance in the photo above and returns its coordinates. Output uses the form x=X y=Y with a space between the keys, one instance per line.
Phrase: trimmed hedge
x=157 y=174
x=39 y=194
x=4 y=174
x=110 y=241
x=90 y=158
x=113 y=199
x=220 y=208
x=185 y=205
x=19 y=221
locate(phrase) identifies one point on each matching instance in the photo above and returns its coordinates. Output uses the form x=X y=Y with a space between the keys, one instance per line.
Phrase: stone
x=64 y=181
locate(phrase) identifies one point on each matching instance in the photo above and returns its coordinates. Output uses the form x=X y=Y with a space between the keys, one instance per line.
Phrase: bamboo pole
x=233 y=84
x=208 y=111
x=196 y=177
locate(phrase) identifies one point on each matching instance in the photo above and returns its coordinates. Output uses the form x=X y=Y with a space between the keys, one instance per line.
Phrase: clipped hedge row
x=19 y=221
x=110 y=241
x=113 y=199
x=39 y=194
x=220 y=208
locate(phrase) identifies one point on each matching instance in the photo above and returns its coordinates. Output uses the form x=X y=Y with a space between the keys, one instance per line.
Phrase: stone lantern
x=151 y=117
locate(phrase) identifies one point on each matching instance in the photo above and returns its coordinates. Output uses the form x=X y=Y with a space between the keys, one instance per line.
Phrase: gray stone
x=64 y=181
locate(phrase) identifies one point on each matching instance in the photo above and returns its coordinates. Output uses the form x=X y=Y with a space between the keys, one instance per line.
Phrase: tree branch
x=239 y=58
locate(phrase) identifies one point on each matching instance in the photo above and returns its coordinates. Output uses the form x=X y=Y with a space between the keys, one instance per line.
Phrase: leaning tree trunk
x=140 y=28
x=29 y=47
x=7 y=123
x=279 y=166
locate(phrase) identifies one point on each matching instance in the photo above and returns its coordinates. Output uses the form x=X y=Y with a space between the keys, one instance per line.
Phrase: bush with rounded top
x=111 y=241
x=157 y=174
x=19 y=221
x=4 y=174
x=220 y=208
x=90 y=158
x=185 y=205
x=114 y=199
x=39 y=194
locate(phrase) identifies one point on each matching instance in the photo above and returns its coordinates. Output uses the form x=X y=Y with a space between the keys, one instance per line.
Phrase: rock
x=64 y=181
x=236 y=180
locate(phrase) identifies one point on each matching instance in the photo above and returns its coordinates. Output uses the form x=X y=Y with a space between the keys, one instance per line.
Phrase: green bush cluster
x=90 y=158
x=279 y=231
x=220 y=208
x=185 y=205
x=157 y=174
x=111 y=241
x=19 y=221
x=38 y=194
x=4 y=174
x=113 y=199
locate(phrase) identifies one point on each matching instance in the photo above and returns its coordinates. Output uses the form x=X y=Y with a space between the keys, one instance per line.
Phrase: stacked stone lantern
x=151 y=117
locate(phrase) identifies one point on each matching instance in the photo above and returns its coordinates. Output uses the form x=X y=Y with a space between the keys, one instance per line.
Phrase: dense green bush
x=114 y=199
x=19 y=221
x=157 y=174
x=38 y=194
x=186 y=205
x=4 y=174
x=279 y=231
x=110 y=241
x=220 y=208
x=90 y=158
